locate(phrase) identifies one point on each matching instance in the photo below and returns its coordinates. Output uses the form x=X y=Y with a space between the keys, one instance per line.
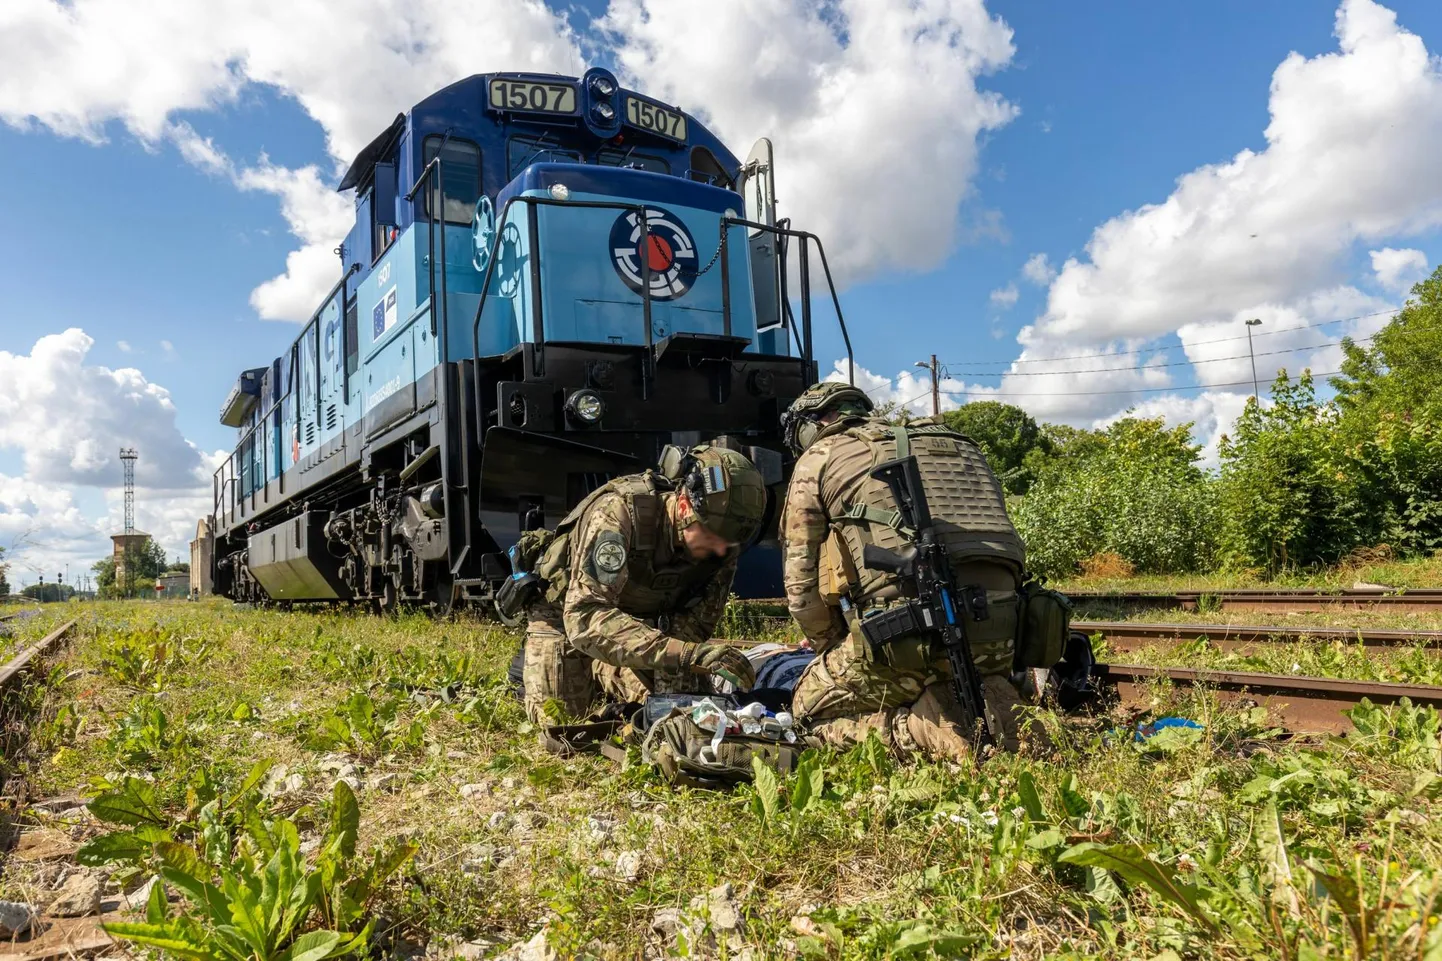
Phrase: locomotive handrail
x=435 y=166
x=538 y=322
x=806 y=237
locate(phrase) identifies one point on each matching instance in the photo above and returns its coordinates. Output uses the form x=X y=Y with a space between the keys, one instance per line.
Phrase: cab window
x=611 y=157
x=461 y=164
x=521 y=152
x=707 y=169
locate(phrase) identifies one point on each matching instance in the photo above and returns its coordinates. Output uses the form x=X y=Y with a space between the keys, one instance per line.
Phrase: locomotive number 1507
x=648 y=116
x=533 y=97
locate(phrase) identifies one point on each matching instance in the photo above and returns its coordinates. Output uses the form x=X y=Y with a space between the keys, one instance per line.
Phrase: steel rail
x=1429 y=599
x=1299 y=704
x=11 y=668
x=1132 y=635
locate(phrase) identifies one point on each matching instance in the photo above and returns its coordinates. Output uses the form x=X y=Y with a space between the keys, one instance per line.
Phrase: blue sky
x=155 y=255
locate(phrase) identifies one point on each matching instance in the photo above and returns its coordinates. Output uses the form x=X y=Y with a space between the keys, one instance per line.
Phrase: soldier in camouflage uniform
x=902 y=690
x=638 y=583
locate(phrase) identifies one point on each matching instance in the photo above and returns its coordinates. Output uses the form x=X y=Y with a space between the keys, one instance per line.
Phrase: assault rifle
x=939 y=610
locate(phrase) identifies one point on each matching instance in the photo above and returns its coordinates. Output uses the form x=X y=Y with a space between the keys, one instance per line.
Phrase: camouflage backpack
x=686 y=753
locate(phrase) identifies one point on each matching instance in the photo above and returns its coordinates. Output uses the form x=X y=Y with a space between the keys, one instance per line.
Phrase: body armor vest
x=660 y=578
x=965 y=497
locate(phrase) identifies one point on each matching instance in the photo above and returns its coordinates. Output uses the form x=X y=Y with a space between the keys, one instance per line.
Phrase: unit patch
x=608 y=556
x=669 y=252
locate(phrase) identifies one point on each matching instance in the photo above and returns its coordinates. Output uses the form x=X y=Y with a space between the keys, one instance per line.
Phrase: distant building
x=135 y=541
x=172 y=584
x=202 y=550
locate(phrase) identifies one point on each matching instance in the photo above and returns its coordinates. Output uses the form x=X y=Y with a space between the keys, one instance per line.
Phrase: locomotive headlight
x=603 y=86
x=586 y=406
x=560 y=192
x=605 y=112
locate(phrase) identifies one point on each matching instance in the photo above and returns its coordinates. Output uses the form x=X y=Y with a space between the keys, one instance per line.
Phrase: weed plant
x=447 y=823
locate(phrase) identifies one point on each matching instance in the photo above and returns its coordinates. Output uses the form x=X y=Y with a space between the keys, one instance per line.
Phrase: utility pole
x=935 y=384
x=1250 y=324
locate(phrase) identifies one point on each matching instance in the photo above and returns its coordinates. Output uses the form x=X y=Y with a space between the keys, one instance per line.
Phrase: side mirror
x=483 y=232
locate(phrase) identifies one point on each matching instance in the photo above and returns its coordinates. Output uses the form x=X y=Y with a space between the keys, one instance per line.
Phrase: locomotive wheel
x=442 y=595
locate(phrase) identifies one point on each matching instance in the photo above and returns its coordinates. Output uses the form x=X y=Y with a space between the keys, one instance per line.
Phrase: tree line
x=1302 y=482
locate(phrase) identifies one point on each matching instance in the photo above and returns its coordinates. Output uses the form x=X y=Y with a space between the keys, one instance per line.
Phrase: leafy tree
x=1006 y=434
x=104 y=574
x=49 y=592
x=4 y=569
x=1132 y=489
x=1398 y=373
x=1289 y=496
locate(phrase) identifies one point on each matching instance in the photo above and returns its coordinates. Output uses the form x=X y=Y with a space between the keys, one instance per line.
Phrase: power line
x=1120 y=390
x=1199 y=343
x=1174 y=363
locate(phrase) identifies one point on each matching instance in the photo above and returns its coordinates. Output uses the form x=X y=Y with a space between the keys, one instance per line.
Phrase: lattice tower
x=127 y=460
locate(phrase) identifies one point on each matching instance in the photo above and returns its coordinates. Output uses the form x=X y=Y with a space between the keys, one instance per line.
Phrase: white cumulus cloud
x=864 y=99
x=1350 y=156
x=1038 y=270
x=1005 y=297
x=1398 y=269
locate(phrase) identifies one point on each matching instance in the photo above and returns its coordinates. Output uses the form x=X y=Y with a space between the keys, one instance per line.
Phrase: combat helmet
x=799 y=425
x=726 y=490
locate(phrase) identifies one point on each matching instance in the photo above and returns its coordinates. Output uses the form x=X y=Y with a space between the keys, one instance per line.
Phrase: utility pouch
x=686 y=755
x=1044 y=626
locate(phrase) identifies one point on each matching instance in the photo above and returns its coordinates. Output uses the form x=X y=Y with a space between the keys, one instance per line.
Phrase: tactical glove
x=725 y=662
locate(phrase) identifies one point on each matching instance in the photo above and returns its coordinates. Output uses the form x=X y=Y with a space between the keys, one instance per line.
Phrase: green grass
x=1415 y=573
x=1236 y=844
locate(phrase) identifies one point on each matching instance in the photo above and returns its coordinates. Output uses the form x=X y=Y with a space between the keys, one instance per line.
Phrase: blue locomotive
x=549 y=279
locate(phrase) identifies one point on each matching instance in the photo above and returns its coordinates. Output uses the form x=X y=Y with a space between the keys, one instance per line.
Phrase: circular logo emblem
x=669 y=252
x=610 y=556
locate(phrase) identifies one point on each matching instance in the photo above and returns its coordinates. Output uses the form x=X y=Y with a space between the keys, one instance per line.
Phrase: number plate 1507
x=533 y=97
x=648 y=116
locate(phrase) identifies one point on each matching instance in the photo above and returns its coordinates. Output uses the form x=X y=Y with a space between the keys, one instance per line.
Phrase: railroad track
x=1132 y=635
x=1429 y=599
x=17 y=664
x=1299 y=704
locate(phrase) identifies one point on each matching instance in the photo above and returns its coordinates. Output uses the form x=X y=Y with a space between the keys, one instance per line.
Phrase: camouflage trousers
x=845 y=695
x=557 y=673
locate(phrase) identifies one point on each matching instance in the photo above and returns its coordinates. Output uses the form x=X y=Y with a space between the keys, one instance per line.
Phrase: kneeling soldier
x=902 y=688
x=636 y=581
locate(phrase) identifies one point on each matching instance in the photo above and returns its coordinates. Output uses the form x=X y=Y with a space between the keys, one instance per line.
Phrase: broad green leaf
x=1030 y=797
x=133 y=803
x=182 y=857
x=157 y=906
x=344 y=818
x=204 y=894
x=1072 y=800
x=809 y=782
x=312 y=947
x=163 y=936
x=766 y=804
x=1102 y=886
x=116 y=847
x=256 y=775
x=1136 y=867
x=1277 y=869
x=1050 y=838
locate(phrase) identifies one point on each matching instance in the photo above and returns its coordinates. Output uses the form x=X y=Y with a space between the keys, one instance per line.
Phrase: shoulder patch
x=608 y=556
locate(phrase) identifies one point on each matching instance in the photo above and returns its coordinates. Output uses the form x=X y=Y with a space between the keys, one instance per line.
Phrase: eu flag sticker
x=378 y=318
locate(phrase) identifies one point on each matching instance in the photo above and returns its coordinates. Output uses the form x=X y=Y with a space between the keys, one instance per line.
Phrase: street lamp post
x=1250 y=324
x=935 y=386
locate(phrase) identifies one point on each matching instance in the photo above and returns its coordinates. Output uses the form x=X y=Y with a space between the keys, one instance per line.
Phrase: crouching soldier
x=901 y=689
x=636 y=581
